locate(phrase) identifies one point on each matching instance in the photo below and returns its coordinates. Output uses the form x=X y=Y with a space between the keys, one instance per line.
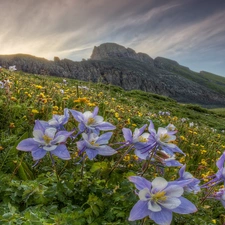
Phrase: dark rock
x=114 y=64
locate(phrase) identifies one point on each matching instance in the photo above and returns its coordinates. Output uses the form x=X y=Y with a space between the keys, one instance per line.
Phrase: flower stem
x=147 y=163
x=82 y=168
x=117 y=163
x=54 y=167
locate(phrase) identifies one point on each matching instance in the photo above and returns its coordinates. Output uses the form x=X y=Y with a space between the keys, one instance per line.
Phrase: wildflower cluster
x=158 y=197
x=51 y=136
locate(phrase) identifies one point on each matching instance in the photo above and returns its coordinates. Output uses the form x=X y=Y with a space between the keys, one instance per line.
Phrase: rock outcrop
x=112 y=50
x=114 y=64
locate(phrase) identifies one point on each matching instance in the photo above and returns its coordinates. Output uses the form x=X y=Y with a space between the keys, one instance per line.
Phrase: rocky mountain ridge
x=111 y=63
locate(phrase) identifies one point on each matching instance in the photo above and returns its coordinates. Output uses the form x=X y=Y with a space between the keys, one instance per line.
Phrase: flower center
x=164 y=137
x=93 y=143
x=47 y=139
x=142 y=139
x=90 y=121
x=159 y=197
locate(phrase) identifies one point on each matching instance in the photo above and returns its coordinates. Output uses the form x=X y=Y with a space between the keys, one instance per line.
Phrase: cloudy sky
x=191 y=32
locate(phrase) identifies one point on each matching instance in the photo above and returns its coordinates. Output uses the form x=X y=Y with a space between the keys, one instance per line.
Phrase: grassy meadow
x=97 y=191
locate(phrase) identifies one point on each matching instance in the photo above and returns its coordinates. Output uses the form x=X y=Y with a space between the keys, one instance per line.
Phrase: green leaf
x=99 y=166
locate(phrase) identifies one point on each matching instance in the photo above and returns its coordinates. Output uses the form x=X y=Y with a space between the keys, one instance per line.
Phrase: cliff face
x=112 y=50
x=114 y=64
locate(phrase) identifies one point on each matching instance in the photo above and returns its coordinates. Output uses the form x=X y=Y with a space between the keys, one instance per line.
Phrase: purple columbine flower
x=193 y=186
x=139 y=140
x=91 y=121
x=95 y=145
x=159 y=199
x=166 y=159
x=59 y=120
x=163 y=139
x=46 y=139
x=220 y=195
x=171 y=128
x=220 y=175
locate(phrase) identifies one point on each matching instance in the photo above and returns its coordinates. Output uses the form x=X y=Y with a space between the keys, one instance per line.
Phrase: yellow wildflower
x=81 y=100
x=11 y=125
x=116 y=114
x=13 y=99
x=35 y=111
x=126 y=158
x=56 y=108
x=38 y=86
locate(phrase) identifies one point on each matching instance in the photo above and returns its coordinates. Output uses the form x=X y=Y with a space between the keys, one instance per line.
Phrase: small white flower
x=1 y=84
x=12 y=68
x=191 y=124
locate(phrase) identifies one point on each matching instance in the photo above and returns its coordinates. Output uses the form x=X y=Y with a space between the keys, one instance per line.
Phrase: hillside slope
x=111 y=63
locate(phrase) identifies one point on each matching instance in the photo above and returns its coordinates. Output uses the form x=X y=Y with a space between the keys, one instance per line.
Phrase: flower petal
x=61 y=136
x=40 y=125
x=91 y=153
x=87 y=115
x=153 y=206
x=127 y=134
x=95 y=112
x=50 y=132
x=171 y=203
x=38 y=136
x=81 y=145
x=139 y=211
x=140 y=182
x=164 y=217
x=105 y=126
x=158 y=184
x=104 y=138
x=141 y=155
x=38 y=154
x=78 y=116
x=62 y=152
x=174 y=191
x=185 y=207
x=144 y=194
x=49 y=148
x=106 y=150
x=27 y=145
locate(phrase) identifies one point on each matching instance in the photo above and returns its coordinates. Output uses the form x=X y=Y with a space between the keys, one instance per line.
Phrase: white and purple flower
x=159 y=199
x=90 y=121
x=95 y=145
x=46 y=139
x=219 y=195
x=193 y=186
x=140 y=141
x=163 y=138
x=59 y=120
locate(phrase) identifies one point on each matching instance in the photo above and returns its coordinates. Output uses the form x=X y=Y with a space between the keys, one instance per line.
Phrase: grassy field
x=97 y=191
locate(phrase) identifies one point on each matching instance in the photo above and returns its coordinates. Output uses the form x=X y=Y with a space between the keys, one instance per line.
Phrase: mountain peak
x=113 y=50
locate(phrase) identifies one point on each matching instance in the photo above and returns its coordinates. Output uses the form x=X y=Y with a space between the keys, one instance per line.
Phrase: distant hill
x=111 y=63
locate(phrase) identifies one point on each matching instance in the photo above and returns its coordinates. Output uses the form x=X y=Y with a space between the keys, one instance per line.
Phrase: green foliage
x=197 y=108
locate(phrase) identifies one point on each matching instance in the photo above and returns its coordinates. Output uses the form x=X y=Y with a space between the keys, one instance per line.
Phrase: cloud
x=71 y=28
